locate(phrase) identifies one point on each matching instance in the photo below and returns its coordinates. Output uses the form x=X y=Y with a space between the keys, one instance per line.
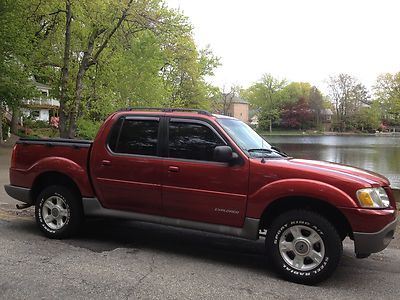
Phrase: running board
x=92 y=207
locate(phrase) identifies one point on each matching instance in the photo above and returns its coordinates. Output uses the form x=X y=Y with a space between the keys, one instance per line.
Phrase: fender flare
x=260 y=200
x=65 y=167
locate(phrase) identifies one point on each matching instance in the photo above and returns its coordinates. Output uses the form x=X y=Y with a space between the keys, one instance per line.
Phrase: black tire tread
x=76 y=211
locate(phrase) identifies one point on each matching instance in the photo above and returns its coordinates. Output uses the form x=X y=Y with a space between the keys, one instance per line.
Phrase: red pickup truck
x=193 y=169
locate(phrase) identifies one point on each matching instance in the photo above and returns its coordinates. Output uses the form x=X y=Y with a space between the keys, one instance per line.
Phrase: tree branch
x=111 y=33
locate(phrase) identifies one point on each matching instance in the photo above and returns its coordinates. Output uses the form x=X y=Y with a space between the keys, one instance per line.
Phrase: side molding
x=250 y=229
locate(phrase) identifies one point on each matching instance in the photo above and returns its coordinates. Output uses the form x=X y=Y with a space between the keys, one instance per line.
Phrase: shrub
x=87 y=129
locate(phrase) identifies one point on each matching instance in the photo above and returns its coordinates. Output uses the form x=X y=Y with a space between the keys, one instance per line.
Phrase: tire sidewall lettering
x=40 y=216
x=288 y=268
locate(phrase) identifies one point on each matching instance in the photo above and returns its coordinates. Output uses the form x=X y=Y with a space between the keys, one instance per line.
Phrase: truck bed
x=35 y=156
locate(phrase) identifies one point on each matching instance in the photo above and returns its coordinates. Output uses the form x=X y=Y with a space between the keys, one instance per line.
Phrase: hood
x=369 y=177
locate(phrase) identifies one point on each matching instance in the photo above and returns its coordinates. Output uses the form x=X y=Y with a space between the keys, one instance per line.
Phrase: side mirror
x=224 y=154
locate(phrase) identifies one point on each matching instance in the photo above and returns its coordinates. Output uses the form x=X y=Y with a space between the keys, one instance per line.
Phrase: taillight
x=14 y=157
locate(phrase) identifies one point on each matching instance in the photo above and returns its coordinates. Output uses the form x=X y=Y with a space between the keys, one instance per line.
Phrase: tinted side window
x=192 y=141
x=112 y=140
x=138 y=137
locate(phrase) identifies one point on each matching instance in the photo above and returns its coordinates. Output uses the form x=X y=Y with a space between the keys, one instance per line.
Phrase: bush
x=35 y=123
x=87 y=129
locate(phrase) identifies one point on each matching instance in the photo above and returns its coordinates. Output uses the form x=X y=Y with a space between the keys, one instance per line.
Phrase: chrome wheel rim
x=55 y=212
x=301 y=247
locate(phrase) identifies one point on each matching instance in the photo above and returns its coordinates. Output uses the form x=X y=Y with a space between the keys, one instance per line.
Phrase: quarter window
x=135 y=137
x=192 y=141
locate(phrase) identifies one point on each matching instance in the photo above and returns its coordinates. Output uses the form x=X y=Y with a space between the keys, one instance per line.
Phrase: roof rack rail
x=199 y=111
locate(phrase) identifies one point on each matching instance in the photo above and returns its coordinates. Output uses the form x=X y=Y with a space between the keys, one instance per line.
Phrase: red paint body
x=200 y=191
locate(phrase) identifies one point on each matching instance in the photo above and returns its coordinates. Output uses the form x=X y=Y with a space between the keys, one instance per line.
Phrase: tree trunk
x=78 y=98
x=1 y=125
x=14 y=120
x=270 y=125
x=88 y=60
x=65 y=73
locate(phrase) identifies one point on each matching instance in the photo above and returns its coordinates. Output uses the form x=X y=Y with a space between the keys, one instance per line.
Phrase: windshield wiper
x=276 y=149
x=272 y=150
x=259 y=149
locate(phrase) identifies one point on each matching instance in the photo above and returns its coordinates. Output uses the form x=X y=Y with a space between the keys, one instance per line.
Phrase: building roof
x=39 y=85
x=234 y=98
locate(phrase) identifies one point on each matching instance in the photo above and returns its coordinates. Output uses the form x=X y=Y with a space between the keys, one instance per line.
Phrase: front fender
x=263 y=197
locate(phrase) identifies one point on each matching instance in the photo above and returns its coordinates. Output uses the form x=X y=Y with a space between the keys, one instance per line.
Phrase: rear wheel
x=304 y=246
x=58 y=212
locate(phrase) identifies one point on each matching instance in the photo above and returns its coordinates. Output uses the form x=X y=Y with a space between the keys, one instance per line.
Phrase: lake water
x=380 y=154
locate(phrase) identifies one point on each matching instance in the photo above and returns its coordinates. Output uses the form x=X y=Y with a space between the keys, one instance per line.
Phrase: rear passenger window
x=112 y=141
x=192 y=141
x=136 y=137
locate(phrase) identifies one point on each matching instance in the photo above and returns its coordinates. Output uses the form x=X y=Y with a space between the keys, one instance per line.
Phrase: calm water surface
x=376 y=153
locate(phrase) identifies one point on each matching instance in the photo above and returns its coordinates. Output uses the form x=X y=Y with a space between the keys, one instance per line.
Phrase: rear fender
x=66 y=167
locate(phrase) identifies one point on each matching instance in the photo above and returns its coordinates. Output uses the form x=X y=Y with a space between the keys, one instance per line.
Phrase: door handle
x=105 y=162
x=173 y=169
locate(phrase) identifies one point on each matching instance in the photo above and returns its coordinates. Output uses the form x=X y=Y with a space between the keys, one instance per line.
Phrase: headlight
x=373 y=198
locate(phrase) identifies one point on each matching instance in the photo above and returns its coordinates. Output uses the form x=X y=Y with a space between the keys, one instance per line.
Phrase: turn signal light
x=365 y=199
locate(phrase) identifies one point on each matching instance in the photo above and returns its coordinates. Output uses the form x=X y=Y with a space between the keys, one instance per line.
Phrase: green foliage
x=149 y=59
x=87 y=129
x=15 y=50
x=348 y=96
x=279 y=103
x=267 y=97
x=387 y=93
x=367 y=118
x=34 y=124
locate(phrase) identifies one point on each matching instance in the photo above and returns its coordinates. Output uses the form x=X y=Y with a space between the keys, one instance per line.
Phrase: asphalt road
x=133 y=260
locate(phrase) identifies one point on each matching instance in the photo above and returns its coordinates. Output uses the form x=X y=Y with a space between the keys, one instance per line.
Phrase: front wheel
x=58 y=212
x=304 y=246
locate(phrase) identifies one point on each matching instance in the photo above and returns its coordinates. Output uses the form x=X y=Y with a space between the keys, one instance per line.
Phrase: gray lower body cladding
x=250 y=229
x=366 y=243
x=19 y=193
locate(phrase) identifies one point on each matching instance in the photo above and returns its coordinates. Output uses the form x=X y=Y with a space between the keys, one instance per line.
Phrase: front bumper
x=366 y=243
x=19 y=193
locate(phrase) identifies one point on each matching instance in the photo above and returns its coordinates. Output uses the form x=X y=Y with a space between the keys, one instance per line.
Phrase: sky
x=299 y=40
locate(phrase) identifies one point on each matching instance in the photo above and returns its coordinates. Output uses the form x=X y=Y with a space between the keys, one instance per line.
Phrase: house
x=254 y=120
x=326 y=118
x=43 y=107
x=234 y=106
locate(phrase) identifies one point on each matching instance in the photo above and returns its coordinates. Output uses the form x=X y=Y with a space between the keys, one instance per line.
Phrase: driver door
x=195 y=186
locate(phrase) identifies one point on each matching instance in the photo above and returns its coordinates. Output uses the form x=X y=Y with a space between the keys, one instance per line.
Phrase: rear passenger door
x=195 y=187
x=126 y=171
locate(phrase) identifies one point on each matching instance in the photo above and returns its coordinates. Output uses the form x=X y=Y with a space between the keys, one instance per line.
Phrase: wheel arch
x=327 y=210
x=53 y=178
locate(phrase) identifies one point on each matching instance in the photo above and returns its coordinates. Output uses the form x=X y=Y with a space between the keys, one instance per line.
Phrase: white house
x=41 y=108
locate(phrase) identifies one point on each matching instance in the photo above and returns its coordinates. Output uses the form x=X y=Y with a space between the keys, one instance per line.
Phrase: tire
x=58 y=212
x=303 y=246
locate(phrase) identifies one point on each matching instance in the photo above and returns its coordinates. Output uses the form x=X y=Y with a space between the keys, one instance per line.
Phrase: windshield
x=247 y=139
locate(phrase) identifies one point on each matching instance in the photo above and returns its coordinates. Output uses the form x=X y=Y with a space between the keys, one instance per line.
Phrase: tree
x=347 y=95
x=100 y=55
x=387 y=93
x=316 y=101
x=267 y=96
x=15 y=57
x=297 y=115
x=367 y=118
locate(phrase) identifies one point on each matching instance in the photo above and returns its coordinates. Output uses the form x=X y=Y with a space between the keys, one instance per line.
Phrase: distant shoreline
x=326 y=133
